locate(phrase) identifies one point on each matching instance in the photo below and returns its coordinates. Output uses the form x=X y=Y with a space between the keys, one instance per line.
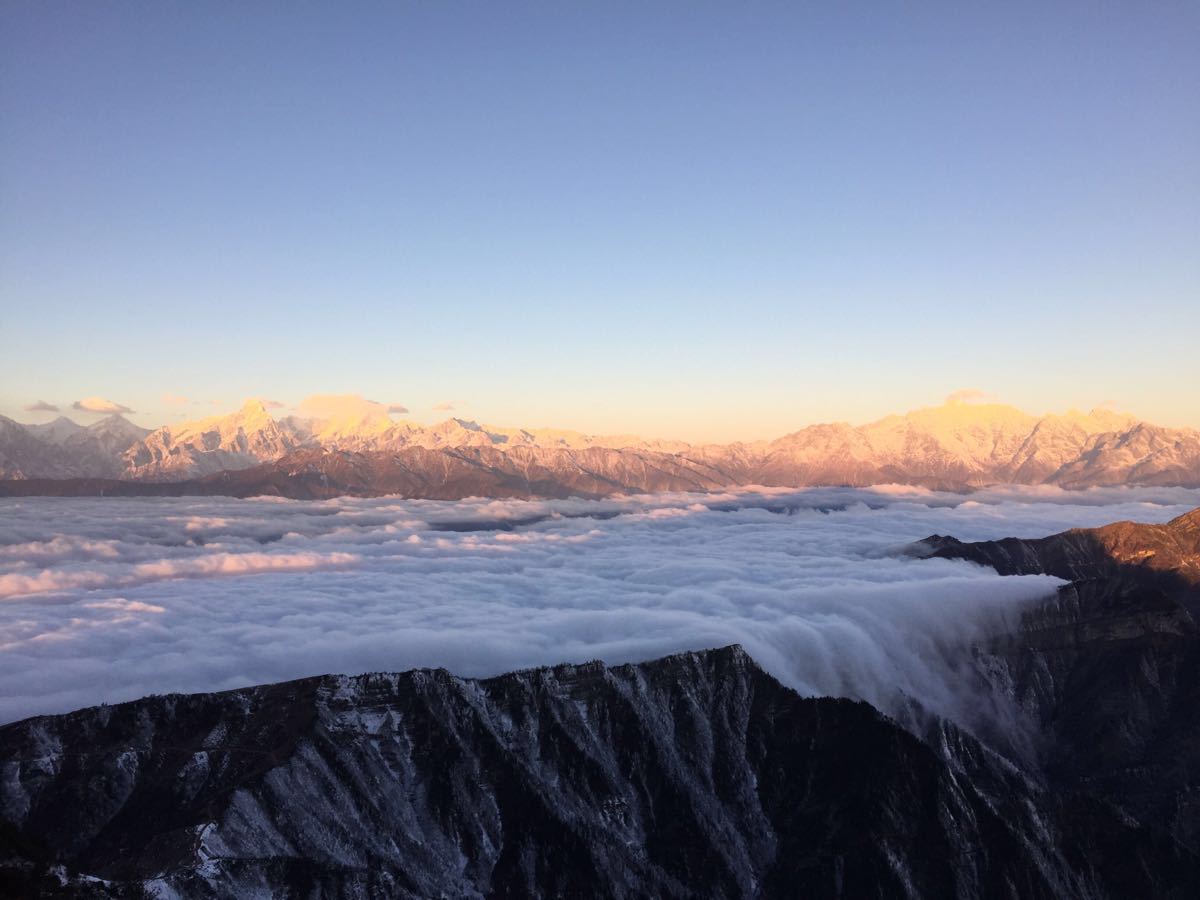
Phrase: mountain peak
x=254 y=408
x=116 y=424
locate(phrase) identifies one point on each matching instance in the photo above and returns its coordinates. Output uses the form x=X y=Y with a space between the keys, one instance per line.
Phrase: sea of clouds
x=106 y=599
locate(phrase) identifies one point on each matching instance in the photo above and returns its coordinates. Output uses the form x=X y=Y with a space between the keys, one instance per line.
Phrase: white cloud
x=100 y=405
x=123 y=605
x=336 y=406
x=109 y=599
x=969 y=395
x=41 y=406
x=443 y=407
x=175 y=400
x=20 y=584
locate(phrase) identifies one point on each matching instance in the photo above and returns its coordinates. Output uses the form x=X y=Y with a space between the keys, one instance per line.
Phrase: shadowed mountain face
x=1162 y=554
x=1109 y=669
x=697 y=775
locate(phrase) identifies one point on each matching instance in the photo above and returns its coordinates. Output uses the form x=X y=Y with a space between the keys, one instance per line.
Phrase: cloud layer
x=105 y=599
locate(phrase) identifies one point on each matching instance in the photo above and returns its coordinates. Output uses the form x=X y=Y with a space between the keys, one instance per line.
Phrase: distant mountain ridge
x=955 y=447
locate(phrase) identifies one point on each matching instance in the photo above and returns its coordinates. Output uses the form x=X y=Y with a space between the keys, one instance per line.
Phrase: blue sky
x=691 y=220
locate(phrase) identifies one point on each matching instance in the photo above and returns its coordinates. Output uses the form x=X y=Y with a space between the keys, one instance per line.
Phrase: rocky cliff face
x=1109 y=670
x=693 y=776
x=221 y=443
x=1161 y=554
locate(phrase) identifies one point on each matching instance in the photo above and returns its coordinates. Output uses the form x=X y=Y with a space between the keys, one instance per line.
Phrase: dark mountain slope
x=1131 y=549
x=1110 y=668
x=692 y=776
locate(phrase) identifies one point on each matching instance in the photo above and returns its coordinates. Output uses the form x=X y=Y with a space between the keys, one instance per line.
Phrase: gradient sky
x=689 y=220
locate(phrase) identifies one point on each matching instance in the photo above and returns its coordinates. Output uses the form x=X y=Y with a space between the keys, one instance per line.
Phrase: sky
x=690 y=220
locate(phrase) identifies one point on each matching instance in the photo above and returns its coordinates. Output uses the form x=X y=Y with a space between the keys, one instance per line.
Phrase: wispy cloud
x=100 y=405
x=969 y=395
x=41 y=406
x=443 y=407
x=337 y=406
x=175 y=400
x=398 y=408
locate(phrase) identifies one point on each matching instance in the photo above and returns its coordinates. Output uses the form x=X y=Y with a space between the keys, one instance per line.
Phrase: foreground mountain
x=697 y=775
x=953 y=447
x=1160 y=555
x=1109 y=669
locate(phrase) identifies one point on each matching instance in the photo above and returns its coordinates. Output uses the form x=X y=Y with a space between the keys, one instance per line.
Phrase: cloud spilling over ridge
x=109 y=599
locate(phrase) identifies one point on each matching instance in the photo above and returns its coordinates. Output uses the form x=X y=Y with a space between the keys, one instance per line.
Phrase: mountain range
x=696 y=775
x=957 y=446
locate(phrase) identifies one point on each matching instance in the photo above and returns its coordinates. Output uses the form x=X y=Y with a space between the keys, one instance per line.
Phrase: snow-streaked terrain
x=109 y=599
x=353 y=443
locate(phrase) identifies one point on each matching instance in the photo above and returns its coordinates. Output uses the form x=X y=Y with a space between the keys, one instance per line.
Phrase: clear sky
x=692 y=220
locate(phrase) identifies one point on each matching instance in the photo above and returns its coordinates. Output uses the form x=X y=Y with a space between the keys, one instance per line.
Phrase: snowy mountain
x=361 y=449
x=955 y=444
x=65 y=449
x=246 y=438
x=57 y=431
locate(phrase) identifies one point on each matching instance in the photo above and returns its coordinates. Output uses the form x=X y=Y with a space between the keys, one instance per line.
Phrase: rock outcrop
x=696 y=775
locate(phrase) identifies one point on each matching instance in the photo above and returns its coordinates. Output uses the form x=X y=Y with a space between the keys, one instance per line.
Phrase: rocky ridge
x=1108 y=671
x=696 y=775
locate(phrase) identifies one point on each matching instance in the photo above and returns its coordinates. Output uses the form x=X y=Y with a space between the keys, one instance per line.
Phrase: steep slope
x=1109 y=670
x=220 y=443
x=1142 y=454
x=100 y=447
x=25 y=455
x=693 y=776
x=1057 y=441
x=1122 y=548
x=64 y=449
x=55 y=431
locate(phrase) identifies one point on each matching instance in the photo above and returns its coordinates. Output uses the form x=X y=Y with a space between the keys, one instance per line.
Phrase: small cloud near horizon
x=273 y=404
x=331 y=406
x=175 y=400
x=398 y=408
x=41 y=406
x=969 y=395
x=99 y=405
x=443 y=407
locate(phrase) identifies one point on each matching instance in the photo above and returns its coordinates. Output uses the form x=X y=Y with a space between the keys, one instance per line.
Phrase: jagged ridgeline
x=697 y=775
x=953 y=447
